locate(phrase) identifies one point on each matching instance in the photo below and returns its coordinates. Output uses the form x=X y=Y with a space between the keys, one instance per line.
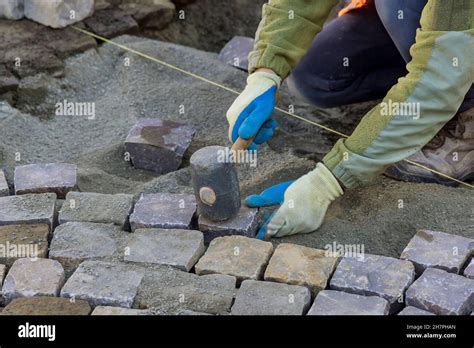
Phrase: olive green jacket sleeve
x=439 y=76
x=286 y=31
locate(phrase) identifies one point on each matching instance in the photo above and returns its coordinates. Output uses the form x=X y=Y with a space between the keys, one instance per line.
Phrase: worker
x=418 y=55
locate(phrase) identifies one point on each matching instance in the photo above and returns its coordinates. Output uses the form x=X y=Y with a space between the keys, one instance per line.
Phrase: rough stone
x=8 y=82
x=4 y=190
x=158 y=145
x=103 y=283
x=27 y=209
x=33 y=277
x=170 y=291
x=83 y=206
x=20 y=241
x=331 y=302
x=236 y=51
x=238 y=256
x=74 y=242
x=443 y=293
x=177 y=248
x=300 y=265
x=150 y=14
x=111 y=22
x=410 y=310
x=109 y=310
x=163 y=210
x=3 y=271
x=268 y=298
x=244 y=224
x=57 y=14
x=374 y=275
x=59 y=178
x=469 y=270
x=46 y=305
x=438 y=249
x=12 y=9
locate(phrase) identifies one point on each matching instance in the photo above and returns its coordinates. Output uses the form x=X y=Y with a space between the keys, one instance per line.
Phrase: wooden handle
x=241 y=144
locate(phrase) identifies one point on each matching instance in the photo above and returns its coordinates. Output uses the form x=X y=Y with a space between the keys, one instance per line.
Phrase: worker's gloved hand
x=251 y=112
x=305 y=204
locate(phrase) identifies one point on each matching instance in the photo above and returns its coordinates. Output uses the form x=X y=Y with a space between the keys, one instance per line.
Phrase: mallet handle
x=241 y=144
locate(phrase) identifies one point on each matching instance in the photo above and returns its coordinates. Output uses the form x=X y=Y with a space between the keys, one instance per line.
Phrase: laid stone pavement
x=20 y=241
x=4 y=190
x=331 y=302
x=469 y=271
x=109 y=310
x=46 y=305
x=410 y=310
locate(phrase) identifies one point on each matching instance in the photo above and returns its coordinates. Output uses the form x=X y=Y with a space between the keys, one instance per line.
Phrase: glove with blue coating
x=251 y=113
x=304 y=205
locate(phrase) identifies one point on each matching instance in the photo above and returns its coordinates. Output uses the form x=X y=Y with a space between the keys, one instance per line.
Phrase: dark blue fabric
x=374 y=42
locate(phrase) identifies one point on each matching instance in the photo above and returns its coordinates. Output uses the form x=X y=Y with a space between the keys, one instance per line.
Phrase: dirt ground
x=382 y=217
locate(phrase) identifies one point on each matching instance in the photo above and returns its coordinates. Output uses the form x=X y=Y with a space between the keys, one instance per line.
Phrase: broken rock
x=410 y=310
x=177 y=248
x=59 y=178
x=45 y=305
x=58 y=13
x=244 y=224
x=442 y=293
x=300 y=265
x=12 y=9
x=170 y=291
x=8 y=82
x=28 y=209
x=331 y=302
x=268 y=298
x=4 y=190
x=33 y=277
x=374 y=275
x=469 y=271
x=158 y=145
x=437 y=249
x=74 y=242
x=103 y=283
x=163 y=210
x=242 y=257
x=96 y=207
x=111 y=22
x=23 y=241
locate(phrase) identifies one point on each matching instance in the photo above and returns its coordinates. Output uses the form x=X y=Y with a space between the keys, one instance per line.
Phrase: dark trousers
x=359 y=56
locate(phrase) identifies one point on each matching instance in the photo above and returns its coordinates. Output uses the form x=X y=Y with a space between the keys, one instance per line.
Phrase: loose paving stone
x=382 y=276
x=244 y=224
x=57 y=14
x=74 y=242
x=238 y=256
x=21 y=241
x=33 y=277
x=59 y=178
x=177 y=248
x=236 y=52
x=300 y=265
x=3 y=271
x=155 y=14
x=12 y=9
x=4 y=190
x=331 y=302
x=469 y=270
x=45 y=305
x=109 y=310
x=267 y=298
x=438 y=249
x=443 y=293
x=103 y=283
x=112 y=22
x=158 y=145
x=170 y=291
x=410 y=310
x=97 y=207
x=163 y=210
x=27 y=209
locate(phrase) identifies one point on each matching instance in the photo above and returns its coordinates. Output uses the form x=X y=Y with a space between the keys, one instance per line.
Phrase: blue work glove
x=250 y=114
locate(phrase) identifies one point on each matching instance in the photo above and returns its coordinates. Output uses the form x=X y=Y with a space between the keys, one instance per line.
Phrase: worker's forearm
x=440 y=74
x=285 y=33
